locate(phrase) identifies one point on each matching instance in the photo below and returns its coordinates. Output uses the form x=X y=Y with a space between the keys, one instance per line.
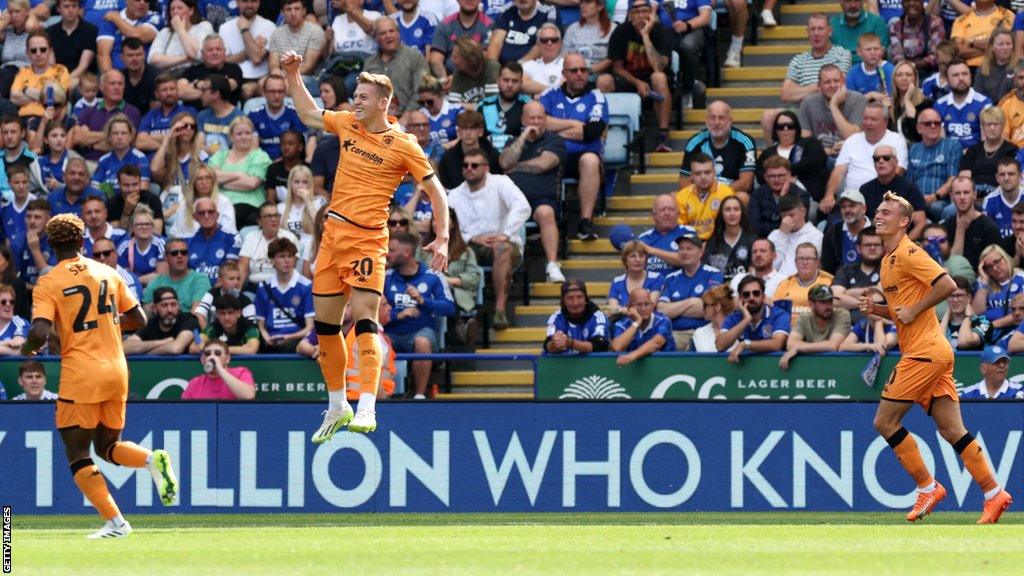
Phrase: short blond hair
x=382 y=82
x=905 y=208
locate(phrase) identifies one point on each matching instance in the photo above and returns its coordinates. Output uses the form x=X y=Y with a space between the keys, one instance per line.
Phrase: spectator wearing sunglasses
x=442 y=114
x=754 y=327
x=470 y=130
x=933 y=163
x=189 y=285
x=220 y=382
x=13 y=328
x=807 y=158
x=888 y=179
x=105 y=251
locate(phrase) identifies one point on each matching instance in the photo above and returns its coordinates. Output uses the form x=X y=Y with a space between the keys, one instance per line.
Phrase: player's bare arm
x=311 y=114
x=868 y=304
x=36 y=336
x=133 y=319
x=439 y=201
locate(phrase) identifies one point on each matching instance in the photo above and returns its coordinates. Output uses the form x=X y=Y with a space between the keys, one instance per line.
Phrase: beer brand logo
x=594 y=388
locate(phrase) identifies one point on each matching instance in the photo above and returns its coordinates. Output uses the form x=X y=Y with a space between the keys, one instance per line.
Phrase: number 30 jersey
x=83 y=299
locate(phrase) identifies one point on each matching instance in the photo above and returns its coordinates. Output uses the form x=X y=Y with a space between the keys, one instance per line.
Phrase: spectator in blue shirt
x=415 y=27
x=643 y=331
x=32 y=251
x=579 y=115
x=754 y=326
x=211 y=246
x=680 y=298
x=870 y=335
x=419 y=299
x=71 y=197
x=136 y=18
x=961 y=108
x=155 y=128
x=104 y=250
x=275 y=118
x=441 y=114
x=56 y=155
x=578 y=326
x=662 y=249
x=143 y=253
x=873 y=76
x=514 y=35
x=634 y=259
x=13 y=329
x=120 y=134
x=284 y=303
x=995 y=363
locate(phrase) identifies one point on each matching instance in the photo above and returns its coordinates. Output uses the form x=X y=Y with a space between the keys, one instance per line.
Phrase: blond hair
x=905 y=208
x=382 y=82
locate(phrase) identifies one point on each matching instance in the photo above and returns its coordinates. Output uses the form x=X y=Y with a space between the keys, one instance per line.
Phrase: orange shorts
x=920 y=381
x=350 y=257
x=110 y=413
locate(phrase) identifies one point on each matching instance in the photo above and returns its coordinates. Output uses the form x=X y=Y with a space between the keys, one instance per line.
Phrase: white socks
x=992 y=493
x=367 y=401
x=737 y=43
x=336 y=399
x=927 y=489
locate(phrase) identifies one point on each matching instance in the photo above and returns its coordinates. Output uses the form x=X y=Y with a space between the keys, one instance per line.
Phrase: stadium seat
x=623 y=125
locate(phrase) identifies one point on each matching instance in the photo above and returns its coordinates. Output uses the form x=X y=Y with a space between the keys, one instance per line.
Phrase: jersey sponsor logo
x=350 y=146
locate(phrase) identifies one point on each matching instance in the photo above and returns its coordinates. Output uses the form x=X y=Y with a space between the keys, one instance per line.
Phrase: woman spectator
x=15 y=24
x=29 y=87
x=179 y=44
x=298 y=210
x=203 y=184
x=120 y=134
x=994 y=78
x=807 y=158
x=143 y=253
x=180 y=154
x=309 y=265
x=980 y=161
x=55 y=155
x=13 y=328
x=292 y=156
x=253 y=259
x=475 y=77
x=464 y=277
x=964 y=329
x=914 y=36
x=241 y=171
x=907 y=100
x=634 y=258
x=728 y=249
x=55 y=111
x=998 y=283
x=334 y=96
x=589 y=37
x=718 y=302
x=578 y=326
x=9 y=277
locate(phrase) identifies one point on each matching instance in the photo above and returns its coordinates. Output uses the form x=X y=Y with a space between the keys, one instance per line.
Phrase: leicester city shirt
x=285 y=311
x=653 y=282
x=594 y=326
x=587 y=107
x=679 y=286
x=663 y=241
x=963 y=120
x=1000 y=211
x=419 y=34
x=271 y=128
x=659 y=324
x=205 y=255
x=773 y=319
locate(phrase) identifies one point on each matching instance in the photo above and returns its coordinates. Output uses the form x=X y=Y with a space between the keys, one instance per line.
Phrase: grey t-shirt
x=815 y=116
x=588 y=41
x=840 y=324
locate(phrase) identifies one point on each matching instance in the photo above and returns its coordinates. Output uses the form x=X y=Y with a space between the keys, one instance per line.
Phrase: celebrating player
x=86 y=301
x=913 y=283
x=374 y=159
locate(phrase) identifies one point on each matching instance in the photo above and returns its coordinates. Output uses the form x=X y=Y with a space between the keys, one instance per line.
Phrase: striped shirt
x=931 y=166
x=804 y=68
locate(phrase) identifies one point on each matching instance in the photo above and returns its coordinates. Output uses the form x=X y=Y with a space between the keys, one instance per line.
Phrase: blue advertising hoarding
x=513 y=457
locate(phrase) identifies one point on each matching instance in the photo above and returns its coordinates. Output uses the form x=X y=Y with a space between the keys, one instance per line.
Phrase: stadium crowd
x=167 y=128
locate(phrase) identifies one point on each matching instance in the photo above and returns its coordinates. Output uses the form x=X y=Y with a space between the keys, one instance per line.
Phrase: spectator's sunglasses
x=750 y=293
x=882 y=158
x=177 y=252
x=402 y=222
x=101 y=253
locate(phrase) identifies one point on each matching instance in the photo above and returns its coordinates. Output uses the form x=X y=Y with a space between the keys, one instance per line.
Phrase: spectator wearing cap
x=284 y=303
x=643 y=331
x=995 y=363
x=839 y=244
x=217 y=113
x=795 y=287
x=578 y=326
x=888 y=178
x=755 y=326
x=662 y=249
x=820 y=329
x=88 y=133
x=188 y=285
x=220 y=382
x=680 y=297
x=853 y=279
x=793 y=231
x=230 y=326
x=168 y=332
x=32 y=379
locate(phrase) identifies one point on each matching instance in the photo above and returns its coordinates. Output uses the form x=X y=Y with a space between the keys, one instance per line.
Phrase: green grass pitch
x=557 y=544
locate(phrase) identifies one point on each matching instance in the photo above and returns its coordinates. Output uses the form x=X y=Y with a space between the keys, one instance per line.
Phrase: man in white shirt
x=32 y=379
x=793 y=230
x=854 y=163
x=545 y=71
x=246 y=39
x=491 y=211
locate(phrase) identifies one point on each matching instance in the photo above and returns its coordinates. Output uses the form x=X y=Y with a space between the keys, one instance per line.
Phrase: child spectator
x=229 y=282
x=873 y=76
x=284 y=303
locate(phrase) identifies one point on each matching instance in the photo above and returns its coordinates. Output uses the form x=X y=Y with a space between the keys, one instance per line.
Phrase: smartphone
x=49 y=100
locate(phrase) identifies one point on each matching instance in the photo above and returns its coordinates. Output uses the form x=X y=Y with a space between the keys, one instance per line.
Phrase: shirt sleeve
x=415 y=160
x=918 y=265
x=782 y=324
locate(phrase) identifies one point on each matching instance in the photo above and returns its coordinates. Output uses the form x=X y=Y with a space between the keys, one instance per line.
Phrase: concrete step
x=748 y=96
x=810 y=8
x=655 y=178
x=493 y=378
x=632 y=202
x=599 y=246
x=552 y=290
x=512 y=396
x=744 y=74
x=536 y=310
x=655 y=187
x=785 y=32
x=594 y=263
x=630 y=220
x=533 y=335
x=664 y=159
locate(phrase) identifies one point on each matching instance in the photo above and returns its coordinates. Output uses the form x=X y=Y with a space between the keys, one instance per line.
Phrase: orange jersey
x=908 y=274
x=370 y=167
x=83 y=298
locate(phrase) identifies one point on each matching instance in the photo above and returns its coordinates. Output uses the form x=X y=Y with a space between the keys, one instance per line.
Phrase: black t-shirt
x=874 y=190
x=115 y=206
x=200 y=71
x=449 y=169
x=243 y=330
x=141 y=94
x=538 y=186
x=627 y=45
x=277 y=175
x=185 y=323
x=981 y=234
x=67 y=49
x=983 y=166
x=852 y=276
x=325 y=161
x=737 y=156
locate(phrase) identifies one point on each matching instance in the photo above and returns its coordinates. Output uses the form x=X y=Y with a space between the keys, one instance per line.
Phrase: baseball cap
x=993 y=354
x=820 y=293
x=619 y=234
x=853 y=196
x=691 y=237
x=161 y=294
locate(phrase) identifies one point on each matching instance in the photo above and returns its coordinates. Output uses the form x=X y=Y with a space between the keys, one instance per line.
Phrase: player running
x=350 y=267
x=86 y=301
x=912 y=284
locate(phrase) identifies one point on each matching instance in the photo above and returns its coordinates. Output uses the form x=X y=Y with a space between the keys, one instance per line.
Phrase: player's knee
x=326 y=328
x=885 y=426
x=366 y=326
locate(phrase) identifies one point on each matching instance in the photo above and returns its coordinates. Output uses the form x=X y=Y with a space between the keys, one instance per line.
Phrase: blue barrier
x=514 y=456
